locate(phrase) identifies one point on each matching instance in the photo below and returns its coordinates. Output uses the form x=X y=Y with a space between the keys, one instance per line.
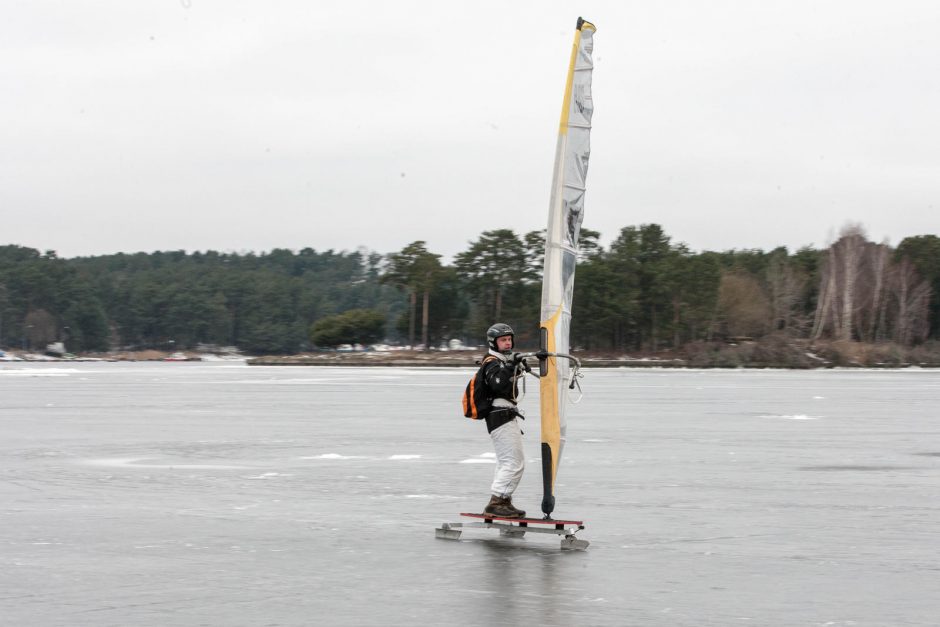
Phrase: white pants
x=510 y=458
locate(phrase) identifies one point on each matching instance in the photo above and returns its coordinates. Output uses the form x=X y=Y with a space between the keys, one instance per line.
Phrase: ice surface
x=221 y=494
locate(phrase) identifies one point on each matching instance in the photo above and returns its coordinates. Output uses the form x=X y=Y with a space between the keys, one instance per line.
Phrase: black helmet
x=499 y=330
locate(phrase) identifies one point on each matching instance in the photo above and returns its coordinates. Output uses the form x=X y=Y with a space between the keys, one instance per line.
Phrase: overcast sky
x=236 y=126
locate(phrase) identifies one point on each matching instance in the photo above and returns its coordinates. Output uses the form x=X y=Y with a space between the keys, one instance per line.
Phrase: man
x=501 y=369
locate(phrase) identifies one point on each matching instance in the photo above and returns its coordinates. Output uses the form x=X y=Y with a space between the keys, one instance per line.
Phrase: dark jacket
x=500 y=377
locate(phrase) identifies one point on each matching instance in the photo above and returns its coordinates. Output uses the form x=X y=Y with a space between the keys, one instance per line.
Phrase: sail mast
x=561 y=249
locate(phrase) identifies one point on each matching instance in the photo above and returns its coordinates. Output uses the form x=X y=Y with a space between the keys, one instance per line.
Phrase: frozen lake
x=222 y=494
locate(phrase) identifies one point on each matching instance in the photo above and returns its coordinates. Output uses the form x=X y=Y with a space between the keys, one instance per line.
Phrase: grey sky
x=231 y=125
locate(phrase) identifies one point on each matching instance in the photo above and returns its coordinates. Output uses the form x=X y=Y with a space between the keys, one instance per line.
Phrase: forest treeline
x=643 y=292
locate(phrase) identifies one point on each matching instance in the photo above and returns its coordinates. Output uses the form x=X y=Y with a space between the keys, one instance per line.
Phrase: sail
x=561 y=249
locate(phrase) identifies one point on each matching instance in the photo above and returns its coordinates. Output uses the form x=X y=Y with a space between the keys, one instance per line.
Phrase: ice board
x=517 y=528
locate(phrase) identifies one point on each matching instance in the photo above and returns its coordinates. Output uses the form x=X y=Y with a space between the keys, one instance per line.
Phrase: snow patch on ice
x=228 y=358
x=135 y=462
x=334 y=456
x=400 y=457
x=793 y=417
x=39 y=372
x=482 y=458
x=331 y=382
x=268 y=475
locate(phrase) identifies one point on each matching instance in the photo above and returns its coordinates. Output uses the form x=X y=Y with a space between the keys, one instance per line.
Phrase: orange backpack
x=476 y=399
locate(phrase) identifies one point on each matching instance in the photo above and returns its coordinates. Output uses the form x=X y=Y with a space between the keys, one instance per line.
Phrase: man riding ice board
x=501 y=370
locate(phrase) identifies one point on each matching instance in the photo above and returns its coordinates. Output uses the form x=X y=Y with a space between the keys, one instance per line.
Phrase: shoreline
x=444 y=361
x=743 y=355
x=471 y=363
x=438 y=361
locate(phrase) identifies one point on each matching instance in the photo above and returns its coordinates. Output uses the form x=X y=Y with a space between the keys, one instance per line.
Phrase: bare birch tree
x=864 y=295
x=786 y=285
x=852 y=254
x=827 y=288
x=879 y=264
x=840 y=299
x=912 y=298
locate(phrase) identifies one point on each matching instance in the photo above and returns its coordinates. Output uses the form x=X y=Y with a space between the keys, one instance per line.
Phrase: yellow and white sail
x=561 y=250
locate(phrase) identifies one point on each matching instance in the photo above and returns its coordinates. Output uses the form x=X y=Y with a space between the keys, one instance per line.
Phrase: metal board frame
x=453 y=531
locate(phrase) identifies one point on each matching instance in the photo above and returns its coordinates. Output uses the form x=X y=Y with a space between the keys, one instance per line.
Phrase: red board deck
x=528 y=521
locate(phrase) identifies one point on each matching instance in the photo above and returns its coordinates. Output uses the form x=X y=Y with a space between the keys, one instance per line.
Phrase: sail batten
x=566 y=207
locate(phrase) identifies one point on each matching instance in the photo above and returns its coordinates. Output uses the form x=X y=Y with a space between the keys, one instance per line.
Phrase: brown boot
x=501 y=507
x=521 y=512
